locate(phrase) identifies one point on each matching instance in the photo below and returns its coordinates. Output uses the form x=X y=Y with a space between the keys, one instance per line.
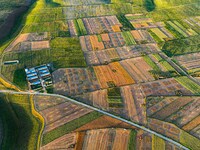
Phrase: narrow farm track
x=103 y=112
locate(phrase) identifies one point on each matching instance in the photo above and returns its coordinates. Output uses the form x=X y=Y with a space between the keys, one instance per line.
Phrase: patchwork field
x=120 y=53
x=165 y=87
x=138 y=69
x=106 y=40
x=95 y=25
x=190 y=62
x=64 y=52
x=74 y=81
x=89 y=131
x=181 y=111
x=29 y=41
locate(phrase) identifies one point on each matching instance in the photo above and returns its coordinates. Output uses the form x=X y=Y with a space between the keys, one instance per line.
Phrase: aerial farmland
x=100 y=75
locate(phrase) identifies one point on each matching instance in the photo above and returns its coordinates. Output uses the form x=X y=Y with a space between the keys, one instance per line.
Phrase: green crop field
x=189 y=84
x=128 y=38
x=182 y=46
x=114 y=97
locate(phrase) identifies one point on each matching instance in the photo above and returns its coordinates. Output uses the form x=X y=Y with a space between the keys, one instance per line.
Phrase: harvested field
x=138 y=69
x=94 y=25
x=73 y=81
x=189 y=61
x=94 y=138
x=112 y=74
x=80 y=139
x=115 y=138
x=72 y=28
x=40 y=45
x=129 y=103
x=105 y=122
x=97 y=98
x=136 y=50
x=67 y=141
x=164 y=128
x=44 y=102
x=106 y=41
x=192 y=124
x=115 y=54
x=85 y=2
x=27 y=37
x=142 y=36
x=181 y=111
x=164 y=87
x=61 y=114
x=144 y=140
x=169 y=109
x=142 y=23
x=100 y=25
x=121 y=139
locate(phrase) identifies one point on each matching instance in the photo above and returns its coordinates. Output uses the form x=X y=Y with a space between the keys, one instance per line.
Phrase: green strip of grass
x=128 y=38
x=132 y=140
x=68 y=127
x=81 y=27
x=151 y=63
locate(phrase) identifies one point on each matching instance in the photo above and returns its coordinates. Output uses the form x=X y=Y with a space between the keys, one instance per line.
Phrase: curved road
x=103 y=112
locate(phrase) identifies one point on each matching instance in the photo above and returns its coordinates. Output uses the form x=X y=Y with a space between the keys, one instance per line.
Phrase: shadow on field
x=149 y=5
x=52 y=4
x=17 y=126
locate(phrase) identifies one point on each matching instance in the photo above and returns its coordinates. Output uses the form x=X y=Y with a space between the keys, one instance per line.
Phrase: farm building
x=38 y=77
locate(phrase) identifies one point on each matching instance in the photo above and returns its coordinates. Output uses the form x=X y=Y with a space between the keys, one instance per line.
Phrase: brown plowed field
x=129 y=103
x=169 y=109
x=105 y=122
